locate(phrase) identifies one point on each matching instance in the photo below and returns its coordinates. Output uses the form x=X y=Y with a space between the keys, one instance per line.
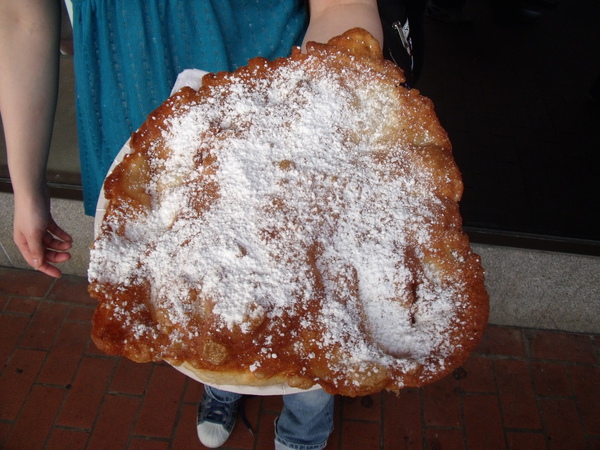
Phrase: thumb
x=31 y=247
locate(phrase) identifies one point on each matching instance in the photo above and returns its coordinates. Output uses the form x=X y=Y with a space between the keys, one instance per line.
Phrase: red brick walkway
x=522 y=389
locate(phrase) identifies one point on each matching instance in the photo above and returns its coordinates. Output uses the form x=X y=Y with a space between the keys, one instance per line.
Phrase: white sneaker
x=215 y=421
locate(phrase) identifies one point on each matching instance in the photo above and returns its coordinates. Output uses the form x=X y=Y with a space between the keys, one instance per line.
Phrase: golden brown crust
x=296 y=222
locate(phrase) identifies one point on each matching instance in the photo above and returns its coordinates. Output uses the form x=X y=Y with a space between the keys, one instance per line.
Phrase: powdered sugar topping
x=304 y=208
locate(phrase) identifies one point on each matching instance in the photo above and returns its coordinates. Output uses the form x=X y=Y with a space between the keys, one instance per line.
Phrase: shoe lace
x=216 y=411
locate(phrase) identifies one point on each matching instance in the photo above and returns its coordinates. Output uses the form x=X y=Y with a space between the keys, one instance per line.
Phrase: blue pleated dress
x=128 y=54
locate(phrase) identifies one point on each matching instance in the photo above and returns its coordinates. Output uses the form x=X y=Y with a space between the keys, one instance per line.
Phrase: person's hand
x=40 y=240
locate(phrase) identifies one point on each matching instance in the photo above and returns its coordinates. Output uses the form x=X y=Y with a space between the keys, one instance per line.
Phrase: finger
x=59 y=232
x=57 y=257
x=31 y=249
x=49 y=270
x=55 y=244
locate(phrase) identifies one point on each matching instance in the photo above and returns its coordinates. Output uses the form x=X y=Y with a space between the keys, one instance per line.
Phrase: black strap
x=404 y=35
x=242 y=413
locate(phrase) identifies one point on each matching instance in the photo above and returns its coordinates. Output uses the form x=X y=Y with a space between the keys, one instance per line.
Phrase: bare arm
x=29 y=39
x=330 y=18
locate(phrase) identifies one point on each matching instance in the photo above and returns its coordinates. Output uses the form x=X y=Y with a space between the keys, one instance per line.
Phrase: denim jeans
x=305 y=422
